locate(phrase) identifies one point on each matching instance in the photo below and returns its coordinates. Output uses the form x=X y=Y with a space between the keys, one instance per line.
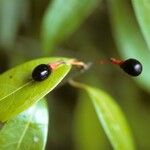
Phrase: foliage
x=19 y=91
x=31 y=29
x=110 y=116
x=31 y=129
x=61 y=20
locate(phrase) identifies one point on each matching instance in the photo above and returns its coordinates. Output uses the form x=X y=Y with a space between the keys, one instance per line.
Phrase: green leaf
x=142 y=11
x=111 y=118
x=19 y=91
x=28 y=130
x=129 y=38
x=62 y=18
x=88 y=134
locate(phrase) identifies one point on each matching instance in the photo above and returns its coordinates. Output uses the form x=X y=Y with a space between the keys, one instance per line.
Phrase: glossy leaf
x=28 y=130
x=62 y=18
x=19 y=91
x=111 y=118
x=142 y=11
x=129 y=38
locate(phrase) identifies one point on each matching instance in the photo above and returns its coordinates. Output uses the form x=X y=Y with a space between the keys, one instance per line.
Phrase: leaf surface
x=88 y=134
x=27 y=130
x=19 y=91
x=111 y=117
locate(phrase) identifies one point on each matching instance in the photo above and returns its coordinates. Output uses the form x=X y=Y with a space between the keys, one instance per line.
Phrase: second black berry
x=132 y=66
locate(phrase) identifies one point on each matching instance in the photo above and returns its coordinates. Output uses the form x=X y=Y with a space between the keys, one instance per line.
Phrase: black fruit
x=132 y=66
x=41 y=72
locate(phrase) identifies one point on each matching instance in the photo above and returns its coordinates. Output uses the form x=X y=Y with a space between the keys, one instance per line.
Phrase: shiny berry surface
x=41 y=72
x=132 y=66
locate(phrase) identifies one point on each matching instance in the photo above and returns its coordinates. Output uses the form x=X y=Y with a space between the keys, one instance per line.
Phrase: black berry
x=132 y=66
x=41 y=72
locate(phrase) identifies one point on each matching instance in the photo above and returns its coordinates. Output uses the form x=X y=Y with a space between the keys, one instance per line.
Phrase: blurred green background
x=90 y=30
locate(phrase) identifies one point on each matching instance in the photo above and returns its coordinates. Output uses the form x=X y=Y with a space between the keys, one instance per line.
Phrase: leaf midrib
x=24 y=132
x=16 y=90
